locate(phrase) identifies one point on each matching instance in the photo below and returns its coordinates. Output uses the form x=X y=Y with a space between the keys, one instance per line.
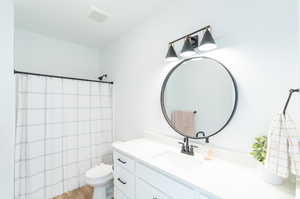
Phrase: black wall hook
x=289 y=98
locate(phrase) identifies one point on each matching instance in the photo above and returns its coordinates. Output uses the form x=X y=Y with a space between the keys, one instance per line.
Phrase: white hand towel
x=293 y=145
x=283 y=147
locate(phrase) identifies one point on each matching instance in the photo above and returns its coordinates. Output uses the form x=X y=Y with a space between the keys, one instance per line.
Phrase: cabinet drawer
x=164 y=184
x=119 y=194
x=146 y=191
x=123 y=161
x=124 y=181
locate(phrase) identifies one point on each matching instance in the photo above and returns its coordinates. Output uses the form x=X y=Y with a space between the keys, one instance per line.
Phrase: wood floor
x=85 y=192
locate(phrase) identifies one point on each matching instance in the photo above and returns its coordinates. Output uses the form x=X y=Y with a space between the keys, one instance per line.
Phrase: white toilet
x=101 y=178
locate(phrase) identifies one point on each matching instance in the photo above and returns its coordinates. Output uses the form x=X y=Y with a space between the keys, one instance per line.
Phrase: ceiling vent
x=97 y=15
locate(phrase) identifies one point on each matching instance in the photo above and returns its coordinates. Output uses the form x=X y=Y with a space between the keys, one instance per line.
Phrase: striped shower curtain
x=63 y=128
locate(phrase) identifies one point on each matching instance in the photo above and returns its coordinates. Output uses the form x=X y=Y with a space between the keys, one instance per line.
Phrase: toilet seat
x=99 y=175
x=99 y=171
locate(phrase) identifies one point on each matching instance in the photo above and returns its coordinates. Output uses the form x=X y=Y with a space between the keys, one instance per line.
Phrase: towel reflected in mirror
x=184 y=121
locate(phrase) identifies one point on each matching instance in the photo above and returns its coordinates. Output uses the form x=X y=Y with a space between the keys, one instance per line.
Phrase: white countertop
x=216 y=178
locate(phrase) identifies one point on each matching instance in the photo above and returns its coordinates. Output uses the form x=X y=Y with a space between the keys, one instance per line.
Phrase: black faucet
x=186 y=148
x=203 y=136
x=200 y=132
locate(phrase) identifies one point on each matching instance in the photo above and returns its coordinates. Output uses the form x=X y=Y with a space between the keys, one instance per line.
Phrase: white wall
x=257 y=41
x=42 y=54
x=7 y=98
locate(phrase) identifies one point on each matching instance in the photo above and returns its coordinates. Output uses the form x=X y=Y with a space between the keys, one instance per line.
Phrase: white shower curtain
x=63 y=128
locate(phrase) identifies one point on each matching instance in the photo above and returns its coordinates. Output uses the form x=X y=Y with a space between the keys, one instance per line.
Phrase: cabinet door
x=146 y=191
x=169 y=186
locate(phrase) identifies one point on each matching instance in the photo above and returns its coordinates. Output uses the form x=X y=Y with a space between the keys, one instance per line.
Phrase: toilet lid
x=99 y=171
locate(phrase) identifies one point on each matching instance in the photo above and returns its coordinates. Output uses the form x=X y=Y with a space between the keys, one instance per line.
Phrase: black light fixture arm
x=190 y=34
x=289 y=98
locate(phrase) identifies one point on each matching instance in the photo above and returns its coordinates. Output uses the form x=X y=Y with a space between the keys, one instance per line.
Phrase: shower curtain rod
x=63 y=77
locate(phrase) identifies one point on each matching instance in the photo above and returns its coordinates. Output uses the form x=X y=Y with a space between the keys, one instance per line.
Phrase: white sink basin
x=179 y=161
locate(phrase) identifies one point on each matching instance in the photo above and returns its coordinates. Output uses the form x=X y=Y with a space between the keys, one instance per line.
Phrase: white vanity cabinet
x=149 y=169
x=135 y=180
x=146 y=191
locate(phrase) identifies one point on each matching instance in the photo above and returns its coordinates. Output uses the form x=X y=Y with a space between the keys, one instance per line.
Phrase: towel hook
x=288 y=100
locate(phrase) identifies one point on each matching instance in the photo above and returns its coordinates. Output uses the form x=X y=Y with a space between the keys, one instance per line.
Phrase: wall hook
x=289 y=98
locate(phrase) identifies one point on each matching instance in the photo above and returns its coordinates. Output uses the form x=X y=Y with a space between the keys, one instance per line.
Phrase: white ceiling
x=68 y=19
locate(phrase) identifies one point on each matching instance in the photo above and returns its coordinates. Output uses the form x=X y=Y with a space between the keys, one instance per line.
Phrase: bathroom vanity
x=198 y=100
x=148 y=169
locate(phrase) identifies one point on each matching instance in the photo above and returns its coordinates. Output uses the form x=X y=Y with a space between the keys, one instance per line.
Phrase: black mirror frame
x=163 y=92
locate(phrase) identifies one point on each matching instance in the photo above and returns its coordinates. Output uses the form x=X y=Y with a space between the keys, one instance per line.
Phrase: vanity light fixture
x=191 y=43
x=188 y=47
x=171 y=55
x=207 y=42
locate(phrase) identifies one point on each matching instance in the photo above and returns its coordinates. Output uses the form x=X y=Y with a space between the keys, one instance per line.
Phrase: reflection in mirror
x=198 y=97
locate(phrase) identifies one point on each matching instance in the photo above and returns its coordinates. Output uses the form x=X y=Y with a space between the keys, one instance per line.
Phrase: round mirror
x=199 y=97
